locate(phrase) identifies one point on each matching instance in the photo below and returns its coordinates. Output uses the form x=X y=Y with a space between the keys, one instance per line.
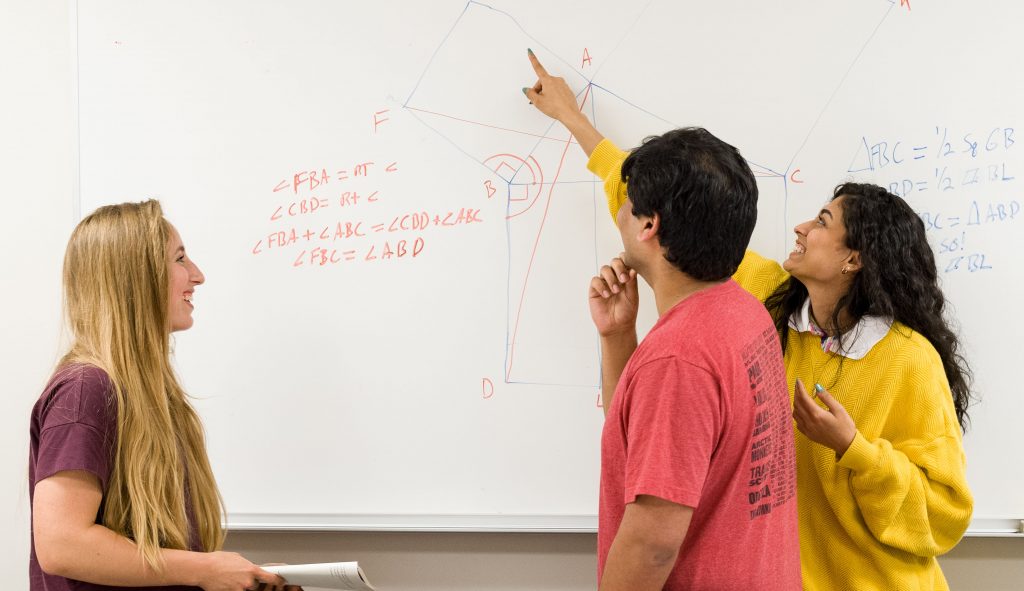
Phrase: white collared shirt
x=856 y=343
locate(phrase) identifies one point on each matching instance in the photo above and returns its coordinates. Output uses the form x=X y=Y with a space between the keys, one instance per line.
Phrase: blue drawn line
x=597 y=264
x=532 y=38
x=864 y=142
x=560 y=384
x=622 y=38
x=635 y=106
x=545 y=135
x=673 y=123
x=508 y=279
x=434 y=55
x=482 y=124
x=838 y=86
x=456 y=146
x=785 y=212
x=501 y=12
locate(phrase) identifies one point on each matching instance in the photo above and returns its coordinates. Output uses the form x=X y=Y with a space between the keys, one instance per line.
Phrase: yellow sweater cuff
x=606 y=162
x=862 y=455
x=605 y=158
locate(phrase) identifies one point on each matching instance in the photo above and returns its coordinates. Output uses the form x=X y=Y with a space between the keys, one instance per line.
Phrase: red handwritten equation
x=305 y=225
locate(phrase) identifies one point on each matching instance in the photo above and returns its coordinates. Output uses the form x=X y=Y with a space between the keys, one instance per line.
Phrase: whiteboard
x=394 y=334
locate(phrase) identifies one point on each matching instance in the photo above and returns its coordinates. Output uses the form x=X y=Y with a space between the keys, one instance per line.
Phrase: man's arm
x=615 y=352
x=646 y=546
x=614 y=301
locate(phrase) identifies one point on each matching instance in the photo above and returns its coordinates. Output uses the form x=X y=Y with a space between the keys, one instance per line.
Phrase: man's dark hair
x=704 y=193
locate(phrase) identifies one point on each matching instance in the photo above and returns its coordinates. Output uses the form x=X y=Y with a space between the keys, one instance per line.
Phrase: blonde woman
x=120 y=485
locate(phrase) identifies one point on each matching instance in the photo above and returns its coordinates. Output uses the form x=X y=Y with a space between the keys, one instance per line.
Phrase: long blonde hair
x=116 y=302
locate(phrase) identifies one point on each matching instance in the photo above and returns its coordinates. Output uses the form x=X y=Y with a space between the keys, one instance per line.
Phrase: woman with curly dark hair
x=882 y=488
x=881 y=483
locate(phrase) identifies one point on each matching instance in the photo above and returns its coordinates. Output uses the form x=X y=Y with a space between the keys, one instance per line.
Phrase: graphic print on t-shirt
x=772 y=477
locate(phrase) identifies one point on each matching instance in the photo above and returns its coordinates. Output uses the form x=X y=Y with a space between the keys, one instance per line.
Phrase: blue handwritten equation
x=953 y=159
x=957 y=181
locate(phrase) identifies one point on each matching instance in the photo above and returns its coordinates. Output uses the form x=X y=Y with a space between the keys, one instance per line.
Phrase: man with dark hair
x=705 y=195
x=698 y=476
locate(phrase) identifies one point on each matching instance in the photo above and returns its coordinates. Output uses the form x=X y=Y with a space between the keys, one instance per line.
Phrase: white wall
x=37 y=138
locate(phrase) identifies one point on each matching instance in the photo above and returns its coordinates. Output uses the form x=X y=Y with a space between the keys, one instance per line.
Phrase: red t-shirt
x=701 y=418
x=74 y=425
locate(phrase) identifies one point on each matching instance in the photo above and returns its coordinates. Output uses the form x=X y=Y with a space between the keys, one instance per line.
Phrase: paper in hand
x=346 y=576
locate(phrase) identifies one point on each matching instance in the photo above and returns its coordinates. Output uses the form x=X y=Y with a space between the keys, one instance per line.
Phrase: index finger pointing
x=539 y=69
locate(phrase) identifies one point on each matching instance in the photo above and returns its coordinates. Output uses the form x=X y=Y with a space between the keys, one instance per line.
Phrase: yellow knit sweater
x=878 y=517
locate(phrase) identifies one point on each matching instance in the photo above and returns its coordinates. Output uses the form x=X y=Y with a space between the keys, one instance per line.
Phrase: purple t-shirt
x=74 y=425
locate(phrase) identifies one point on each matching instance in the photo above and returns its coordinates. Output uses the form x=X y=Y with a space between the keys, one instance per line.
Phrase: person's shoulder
x=77 y=393
x=729 y=303
x=88 y=380
x=911 y=361
x=909 y=345
x=735 y=291
x=759 y=275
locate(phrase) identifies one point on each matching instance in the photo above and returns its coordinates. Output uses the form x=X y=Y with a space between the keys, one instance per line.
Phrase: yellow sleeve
x=912 y=490
x=606 y=162
x=759 y=276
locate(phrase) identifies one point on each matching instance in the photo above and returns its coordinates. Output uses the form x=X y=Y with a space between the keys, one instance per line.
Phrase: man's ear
x=649 y=227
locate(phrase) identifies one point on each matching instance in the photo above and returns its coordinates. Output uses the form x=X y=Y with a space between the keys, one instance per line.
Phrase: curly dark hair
x=705 y=194
x=898 y=279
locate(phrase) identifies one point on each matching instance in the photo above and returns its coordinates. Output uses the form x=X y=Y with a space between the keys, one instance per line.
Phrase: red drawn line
x=536 y=244
x=534 y=202
x=532 y=171
x=281 y=185
x=571 y=141
x=763 y=172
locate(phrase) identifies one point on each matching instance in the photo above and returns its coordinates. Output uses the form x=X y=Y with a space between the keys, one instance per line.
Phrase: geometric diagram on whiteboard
x=464 y=95
x=522 y=192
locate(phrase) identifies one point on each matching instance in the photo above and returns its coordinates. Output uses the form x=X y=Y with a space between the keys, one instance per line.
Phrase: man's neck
x=672 y=286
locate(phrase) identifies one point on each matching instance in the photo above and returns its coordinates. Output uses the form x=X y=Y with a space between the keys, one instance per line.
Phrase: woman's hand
x=551 y=94
x=553 y=97
x=270 y=587
x=830 y=426
x=228 y=571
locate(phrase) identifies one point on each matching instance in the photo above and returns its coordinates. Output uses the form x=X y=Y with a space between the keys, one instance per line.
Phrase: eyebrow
x=824 y=211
